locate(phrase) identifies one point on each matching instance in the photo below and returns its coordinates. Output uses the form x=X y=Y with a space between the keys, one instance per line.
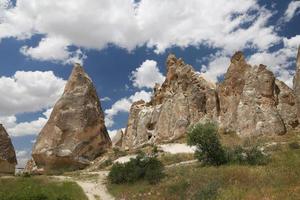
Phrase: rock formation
x=184 y=98
x=8 y=159
x=250 y=101
x=117 y=139
x=297 y=84
x=75 y=132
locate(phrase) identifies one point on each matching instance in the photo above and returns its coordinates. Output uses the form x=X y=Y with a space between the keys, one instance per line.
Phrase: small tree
x=209 y=149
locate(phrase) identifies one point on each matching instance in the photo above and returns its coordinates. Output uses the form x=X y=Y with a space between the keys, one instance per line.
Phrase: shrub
x=246 y=156
x=294 y=145
x=141 y=167
x=154 y=171
x=209 y=149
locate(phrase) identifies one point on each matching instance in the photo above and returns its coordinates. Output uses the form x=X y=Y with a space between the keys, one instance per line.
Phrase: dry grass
x=280 y=179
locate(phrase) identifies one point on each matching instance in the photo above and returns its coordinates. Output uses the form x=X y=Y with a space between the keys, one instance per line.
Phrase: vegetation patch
x=140 y=168
x=278 y=179
x=39 y=188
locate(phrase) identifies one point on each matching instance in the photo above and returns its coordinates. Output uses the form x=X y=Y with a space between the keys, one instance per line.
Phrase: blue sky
x=123 y=46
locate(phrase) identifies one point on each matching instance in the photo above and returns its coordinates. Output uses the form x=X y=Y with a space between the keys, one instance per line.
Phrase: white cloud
x=29 y=91
x=217 y=67
x=53 y=49
x=16 y=129
x=229 y=25
x=22 y=156
x=105 y=99
x=292 y=10
x=123 y=105
x=280 y=62
x=147 y=75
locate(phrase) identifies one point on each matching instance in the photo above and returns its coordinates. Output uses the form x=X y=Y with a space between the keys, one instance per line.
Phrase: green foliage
x=209 y=149
x=294 y=145
x=154 y=170
x=118 y=152
x=39 y=188
x=141 y=167
x=247 y=156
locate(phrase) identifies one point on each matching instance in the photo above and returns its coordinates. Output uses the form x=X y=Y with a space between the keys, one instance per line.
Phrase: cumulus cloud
x=23 y=156
x=281 y=62
x=105 y=99
x=158 y=24
x=217 y=67
x=29 y=91
x=292 y=10
x=147 y=75
x=123 y=105
x=19 y=129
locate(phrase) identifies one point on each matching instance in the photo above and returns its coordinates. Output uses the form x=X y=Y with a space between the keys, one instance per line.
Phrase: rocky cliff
x=297 y=84
x=8 y=159
x=250 y=101
x=184 y=98
x=75 y=132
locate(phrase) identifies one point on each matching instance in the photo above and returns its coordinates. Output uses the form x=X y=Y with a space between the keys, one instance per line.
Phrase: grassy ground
x=39 y=188
x=279 y=179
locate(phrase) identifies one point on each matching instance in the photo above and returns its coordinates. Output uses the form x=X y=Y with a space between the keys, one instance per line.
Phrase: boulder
x=75 y=133
x=8 y=160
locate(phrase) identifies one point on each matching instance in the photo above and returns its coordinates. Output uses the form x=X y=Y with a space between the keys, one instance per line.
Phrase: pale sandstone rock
x=117 y=139
x=184 y=98
x=297 y=84
x=8 y=160
x=250 y=101
x=75 y=133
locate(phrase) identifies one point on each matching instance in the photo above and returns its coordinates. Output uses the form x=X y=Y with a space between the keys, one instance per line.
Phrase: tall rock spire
x=75 y=132
x=297 y=84
x=8 y=159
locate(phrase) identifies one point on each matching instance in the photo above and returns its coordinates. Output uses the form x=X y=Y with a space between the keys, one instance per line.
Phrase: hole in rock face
x=150 y=126
x=149 y=136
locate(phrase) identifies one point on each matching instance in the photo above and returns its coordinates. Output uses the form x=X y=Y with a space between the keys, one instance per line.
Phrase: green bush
x=246 y=156
x=154 y=170
x=294 y=145
x=209 y=149
x=141 y=167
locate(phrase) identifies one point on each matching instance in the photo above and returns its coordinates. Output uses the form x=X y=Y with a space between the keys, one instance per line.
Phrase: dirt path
x=95 y=188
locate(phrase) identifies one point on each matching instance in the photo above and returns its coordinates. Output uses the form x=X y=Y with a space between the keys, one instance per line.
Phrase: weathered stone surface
x=250 y=101
x=75 y=132
x=117 y=139
x=8 y=160
x=286 y=105
x=297 y=84
x=184 y=98
x=230 y=91
x=253 y=102
x=257 y=112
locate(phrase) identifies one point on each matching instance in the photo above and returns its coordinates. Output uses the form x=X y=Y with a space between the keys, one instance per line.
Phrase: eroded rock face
x=183 y=99
x=250 y=101
x=297 y=84
x=75 y=132
x=8 y=160
x=254 y=102
x=117 y=139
